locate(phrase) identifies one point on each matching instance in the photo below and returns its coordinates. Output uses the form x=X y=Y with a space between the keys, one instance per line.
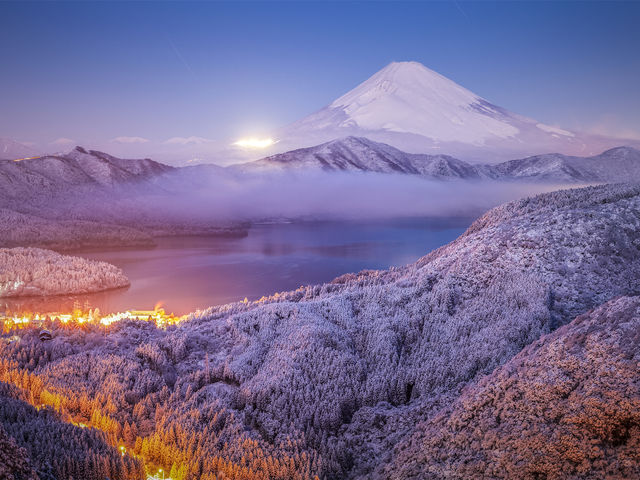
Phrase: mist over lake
x=190 y=273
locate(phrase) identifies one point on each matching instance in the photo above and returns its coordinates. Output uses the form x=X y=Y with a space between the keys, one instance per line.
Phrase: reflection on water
x=189 y=273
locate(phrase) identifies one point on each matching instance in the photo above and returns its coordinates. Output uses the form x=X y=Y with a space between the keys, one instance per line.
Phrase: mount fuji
x=410 y=107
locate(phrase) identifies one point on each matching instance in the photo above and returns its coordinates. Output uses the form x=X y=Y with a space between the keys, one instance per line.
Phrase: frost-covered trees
x=19 y=229
x=54 y=448
x=568 y=406
x=14 y=463
x=33 y=271
x=325 y=380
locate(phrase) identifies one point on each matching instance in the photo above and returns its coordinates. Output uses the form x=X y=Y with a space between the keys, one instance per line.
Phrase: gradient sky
x=90 y=72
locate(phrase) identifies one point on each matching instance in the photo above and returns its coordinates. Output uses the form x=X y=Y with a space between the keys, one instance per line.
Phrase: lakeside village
x=83 y=315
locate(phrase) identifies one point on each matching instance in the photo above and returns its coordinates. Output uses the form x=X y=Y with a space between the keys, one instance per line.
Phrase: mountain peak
x=402 y=71
x=415 y=109
x=407 y=97
x=621 y=151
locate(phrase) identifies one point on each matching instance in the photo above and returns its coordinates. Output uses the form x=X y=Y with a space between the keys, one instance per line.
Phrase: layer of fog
x=207 y=196
x=336 y=196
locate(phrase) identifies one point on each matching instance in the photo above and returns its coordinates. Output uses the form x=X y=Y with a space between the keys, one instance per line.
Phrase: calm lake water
x=190 y=273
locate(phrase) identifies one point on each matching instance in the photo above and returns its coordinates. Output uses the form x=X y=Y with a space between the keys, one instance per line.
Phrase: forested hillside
x=33 y=271
x=568 y=406
x=14 y=462
x=42 y=446
x=20 y=229
x=325 y=380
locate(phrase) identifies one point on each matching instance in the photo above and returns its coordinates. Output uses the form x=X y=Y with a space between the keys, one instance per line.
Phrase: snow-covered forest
x=323 y=381
x=44 y=447
x=567 y=406
x=37 y=272
x=20 y=229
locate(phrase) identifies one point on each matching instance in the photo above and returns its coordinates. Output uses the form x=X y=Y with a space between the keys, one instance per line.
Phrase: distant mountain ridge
x=406 y=105
x=88 y=199
x=354 y=154
x=76 y=168
x=91 y=169
x=97 y=171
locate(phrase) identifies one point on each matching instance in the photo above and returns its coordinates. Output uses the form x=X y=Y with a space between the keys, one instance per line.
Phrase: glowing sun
x=254 y=142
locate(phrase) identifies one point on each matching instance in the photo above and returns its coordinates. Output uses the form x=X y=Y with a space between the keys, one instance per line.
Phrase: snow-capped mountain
x=356 y=154
x=413 y=108
x=10 y=149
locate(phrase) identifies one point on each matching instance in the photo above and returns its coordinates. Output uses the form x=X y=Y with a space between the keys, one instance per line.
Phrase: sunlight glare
x=254 y=142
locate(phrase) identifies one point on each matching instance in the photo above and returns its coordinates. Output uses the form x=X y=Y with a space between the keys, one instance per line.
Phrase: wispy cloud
x=63 y=141
x=130 y=140
x=187 y=141
x=611 y=125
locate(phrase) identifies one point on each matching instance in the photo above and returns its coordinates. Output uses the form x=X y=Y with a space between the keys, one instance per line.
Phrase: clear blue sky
x=93 y=71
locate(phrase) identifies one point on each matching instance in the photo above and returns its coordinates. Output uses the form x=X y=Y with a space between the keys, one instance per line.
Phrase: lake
x=190 y=273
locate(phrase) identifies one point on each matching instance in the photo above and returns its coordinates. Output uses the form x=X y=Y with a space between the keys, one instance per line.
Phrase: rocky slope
x=36 y=272
x=567 y=406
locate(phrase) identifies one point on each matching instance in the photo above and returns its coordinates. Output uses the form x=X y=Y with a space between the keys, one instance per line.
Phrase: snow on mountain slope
x=334 y=375
x=20 y=229
x=90 y=198
x=375 y=349
x=621 y=164
x=10 y=149
x=565 y=407
x=77 y=168
x=407 y=97
x=551 y=167
x=357 y=154
x=413 y=108
x=353 y=154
